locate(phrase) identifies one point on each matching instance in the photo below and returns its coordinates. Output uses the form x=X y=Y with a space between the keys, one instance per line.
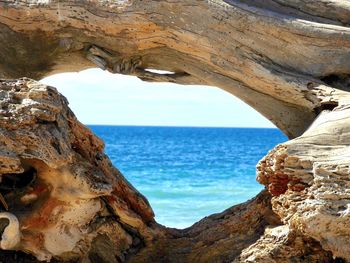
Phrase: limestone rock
x=289 y=59
x=282 y=245
x=309 y=179
x=280 y=57
x=58 y=183
x=66 y=201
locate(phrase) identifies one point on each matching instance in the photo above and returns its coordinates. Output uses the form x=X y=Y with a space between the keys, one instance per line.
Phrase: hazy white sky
x=99 y=97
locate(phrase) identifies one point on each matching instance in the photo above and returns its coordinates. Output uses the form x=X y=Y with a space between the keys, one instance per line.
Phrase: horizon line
x=181 y=126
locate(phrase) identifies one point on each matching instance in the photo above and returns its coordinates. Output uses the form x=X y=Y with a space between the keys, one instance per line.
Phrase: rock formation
x=309 y=179
x=62 y=200
x=59 y=185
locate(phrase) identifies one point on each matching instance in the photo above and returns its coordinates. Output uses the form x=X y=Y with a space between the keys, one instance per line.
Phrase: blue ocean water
x=189 y=173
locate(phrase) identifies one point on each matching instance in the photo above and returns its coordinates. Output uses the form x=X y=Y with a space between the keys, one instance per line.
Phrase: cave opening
x=13 y=185
x=191 y=150
x=9 y=182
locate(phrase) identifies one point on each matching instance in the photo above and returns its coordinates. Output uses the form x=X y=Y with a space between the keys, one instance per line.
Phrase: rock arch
x=273 y=53
x=288 y=59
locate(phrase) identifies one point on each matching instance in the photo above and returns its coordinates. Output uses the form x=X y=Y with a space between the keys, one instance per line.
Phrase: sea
x=187 y=173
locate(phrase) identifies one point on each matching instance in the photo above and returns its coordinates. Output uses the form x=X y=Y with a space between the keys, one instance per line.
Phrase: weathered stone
x=282 y=245
x=289 y=59
x=72 y=204
x=316 y=198
x=67 y=192
x=280 y=57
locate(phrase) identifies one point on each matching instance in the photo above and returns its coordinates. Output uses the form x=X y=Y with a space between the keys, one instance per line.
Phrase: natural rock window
x=290 y=60
x=186 y=173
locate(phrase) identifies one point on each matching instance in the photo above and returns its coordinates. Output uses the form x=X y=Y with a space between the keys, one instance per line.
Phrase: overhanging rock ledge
x=290 y=60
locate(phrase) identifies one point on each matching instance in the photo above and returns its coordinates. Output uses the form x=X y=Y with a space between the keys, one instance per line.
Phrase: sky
x=100 y=97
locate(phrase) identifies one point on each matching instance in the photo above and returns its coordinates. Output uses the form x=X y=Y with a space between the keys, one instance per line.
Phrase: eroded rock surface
x=288 y=59
x=216 y=238
x=309 y=180
x=66 y=202
x=281 y=244
x=280 y=57
x=57 y=182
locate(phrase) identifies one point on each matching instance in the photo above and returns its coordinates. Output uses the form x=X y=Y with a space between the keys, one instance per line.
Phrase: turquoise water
x=189 y=173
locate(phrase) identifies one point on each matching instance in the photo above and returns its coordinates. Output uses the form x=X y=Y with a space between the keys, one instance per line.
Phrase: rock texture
x=280 y=57
x=309 y=179
x=62 y=200
x=66 y=201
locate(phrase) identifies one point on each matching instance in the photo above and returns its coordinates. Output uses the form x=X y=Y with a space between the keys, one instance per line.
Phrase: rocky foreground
x=64 y=201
